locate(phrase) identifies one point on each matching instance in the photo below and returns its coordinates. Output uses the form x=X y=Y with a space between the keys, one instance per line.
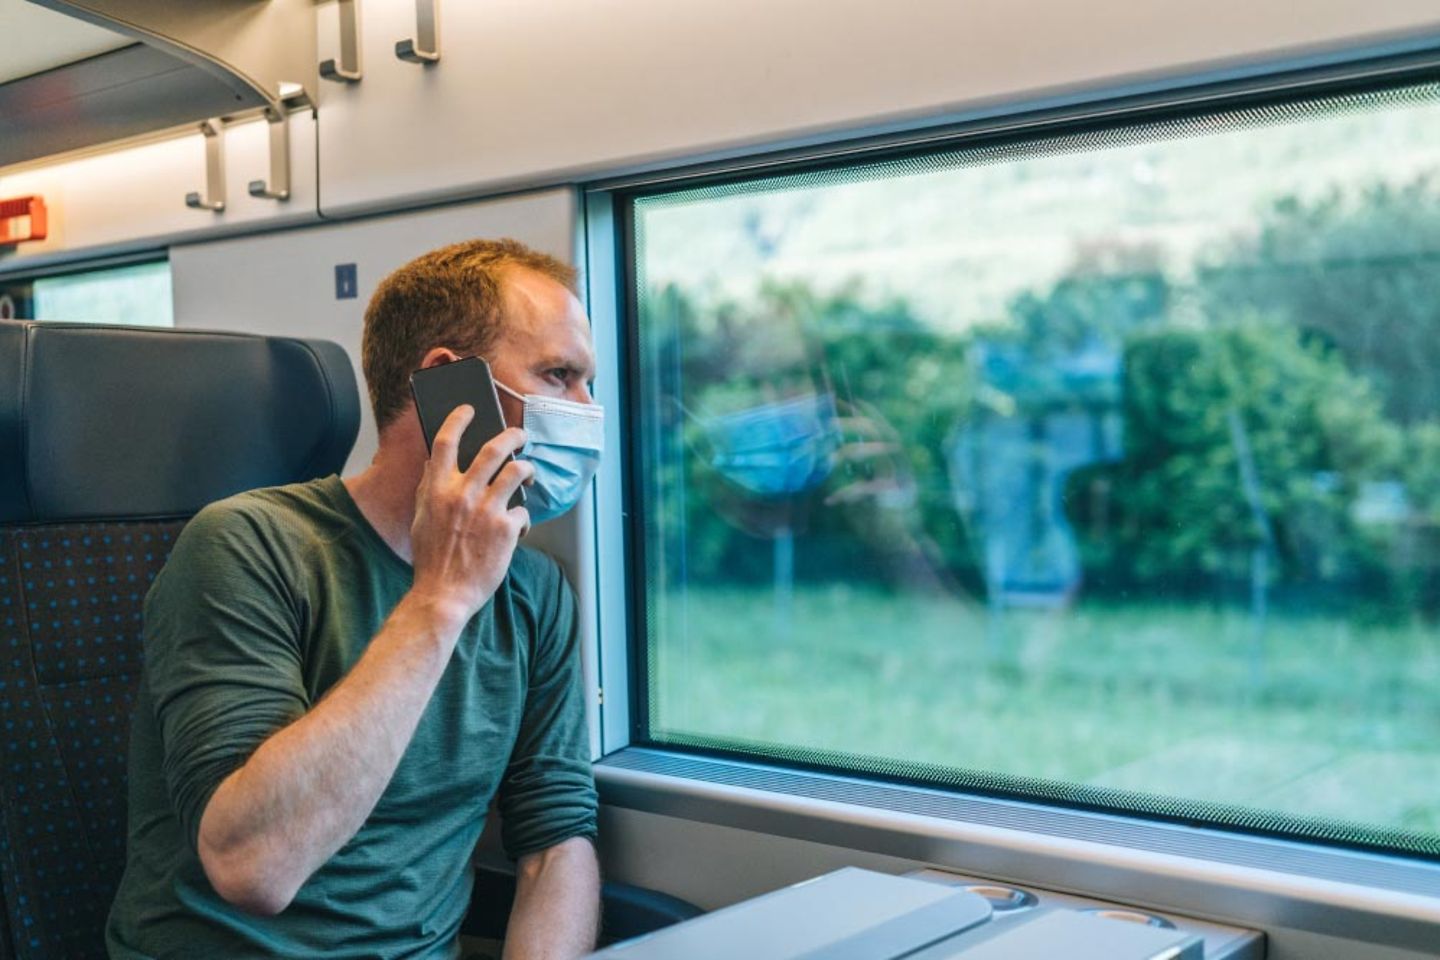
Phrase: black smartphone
x=439 y=390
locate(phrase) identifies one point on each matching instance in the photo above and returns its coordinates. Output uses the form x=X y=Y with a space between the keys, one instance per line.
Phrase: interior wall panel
x=285 y=283
x=527 y=92
x=135 y=197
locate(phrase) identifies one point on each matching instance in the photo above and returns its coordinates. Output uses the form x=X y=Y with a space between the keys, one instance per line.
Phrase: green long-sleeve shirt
x=267 y=600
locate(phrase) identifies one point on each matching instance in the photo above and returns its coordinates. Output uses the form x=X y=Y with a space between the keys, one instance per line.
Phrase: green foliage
x=1421 y=470
x=1358 y=270
x=1197 y=405
x=903 y=388
x=1096 y=302
x=1265 y=394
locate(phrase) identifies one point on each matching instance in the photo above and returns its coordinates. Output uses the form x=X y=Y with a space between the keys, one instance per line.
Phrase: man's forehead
x=525 y=289
x=546 y=321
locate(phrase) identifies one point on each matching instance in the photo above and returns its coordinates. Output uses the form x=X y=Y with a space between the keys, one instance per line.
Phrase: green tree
x=1198 y=405
x=1359 y=270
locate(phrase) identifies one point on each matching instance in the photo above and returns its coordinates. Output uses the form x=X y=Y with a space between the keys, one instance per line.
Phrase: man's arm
x=556 y=915
x=547 y=798
x=308 y=788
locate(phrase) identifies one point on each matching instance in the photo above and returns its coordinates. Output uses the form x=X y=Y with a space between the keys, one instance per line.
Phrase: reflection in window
x=1104 y=469
x=138 y=295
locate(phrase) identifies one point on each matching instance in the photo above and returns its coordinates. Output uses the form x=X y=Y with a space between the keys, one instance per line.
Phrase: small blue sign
x=346 y=286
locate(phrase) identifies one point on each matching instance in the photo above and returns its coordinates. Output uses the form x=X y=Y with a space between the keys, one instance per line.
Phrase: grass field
x=1336 y=719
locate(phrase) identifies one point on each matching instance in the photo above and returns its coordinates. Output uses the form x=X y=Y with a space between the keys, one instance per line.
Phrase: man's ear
x=438 y=356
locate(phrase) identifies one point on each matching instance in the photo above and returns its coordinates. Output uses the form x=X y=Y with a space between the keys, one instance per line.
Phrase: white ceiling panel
x=33 y=39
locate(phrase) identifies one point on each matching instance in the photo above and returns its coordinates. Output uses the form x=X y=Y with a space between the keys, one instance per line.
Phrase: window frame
x=1393 y=899
x=22 y=271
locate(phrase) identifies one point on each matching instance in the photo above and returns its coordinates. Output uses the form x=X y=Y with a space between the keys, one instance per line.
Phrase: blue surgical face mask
x=776 y=449
x=564 y=440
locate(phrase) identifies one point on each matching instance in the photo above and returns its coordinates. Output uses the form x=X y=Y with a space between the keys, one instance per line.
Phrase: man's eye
x=561 y=374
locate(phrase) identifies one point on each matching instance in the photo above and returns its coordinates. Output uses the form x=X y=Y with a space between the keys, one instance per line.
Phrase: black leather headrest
x=101 y=423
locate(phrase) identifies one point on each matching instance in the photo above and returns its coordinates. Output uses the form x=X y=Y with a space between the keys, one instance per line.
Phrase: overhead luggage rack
x=186 y=63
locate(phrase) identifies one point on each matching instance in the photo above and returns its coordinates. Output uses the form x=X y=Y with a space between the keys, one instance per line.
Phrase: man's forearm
x=308 y=788
x=556 y=915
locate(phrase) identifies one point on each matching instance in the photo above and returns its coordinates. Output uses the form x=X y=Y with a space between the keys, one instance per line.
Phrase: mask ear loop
x=517 y=396
x=523 y=405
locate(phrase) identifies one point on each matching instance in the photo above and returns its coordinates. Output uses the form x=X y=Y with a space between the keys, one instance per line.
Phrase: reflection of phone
x=439 y=390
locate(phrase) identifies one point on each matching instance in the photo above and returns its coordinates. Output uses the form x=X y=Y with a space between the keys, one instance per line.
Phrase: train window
x=137 y=295
x=1100 y=467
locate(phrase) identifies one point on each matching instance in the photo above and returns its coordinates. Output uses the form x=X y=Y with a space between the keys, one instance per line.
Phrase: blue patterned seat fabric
x=110 y=439
x=70 y=655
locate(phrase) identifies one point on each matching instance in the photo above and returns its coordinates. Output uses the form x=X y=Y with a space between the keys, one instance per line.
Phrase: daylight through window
x=1103 y=469
x=138 y=295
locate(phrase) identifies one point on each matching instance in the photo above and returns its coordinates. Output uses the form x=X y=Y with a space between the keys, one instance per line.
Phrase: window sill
x=1254 y=881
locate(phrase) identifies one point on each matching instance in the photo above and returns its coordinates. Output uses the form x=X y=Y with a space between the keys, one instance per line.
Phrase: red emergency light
x=22 y=219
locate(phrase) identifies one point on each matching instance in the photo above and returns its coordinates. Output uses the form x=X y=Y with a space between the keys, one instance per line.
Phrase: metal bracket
x=348 y=70
x=214 y=196
x=424 y=47
x=278 y=187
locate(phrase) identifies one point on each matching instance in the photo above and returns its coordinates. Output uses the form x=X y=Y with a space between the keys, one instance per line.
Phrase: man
x=340 y=675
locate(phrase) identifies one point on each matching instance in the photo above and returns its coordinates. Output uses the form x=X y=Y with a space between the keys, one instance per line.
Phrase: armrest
x=625 y=911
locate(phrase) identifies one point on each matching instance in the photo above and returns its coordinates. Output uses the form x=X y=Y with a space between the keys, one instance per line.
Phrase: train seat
x=110 y=439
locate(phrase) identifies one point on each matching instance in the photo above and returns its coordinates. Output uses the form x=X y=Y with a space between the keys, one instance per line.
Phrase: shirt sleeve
x=547 y=795
x=223 y=656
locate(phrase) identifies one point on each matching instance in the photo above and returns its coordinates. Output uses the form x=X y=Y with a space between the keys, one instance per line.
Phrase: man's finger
x=509 y=479
x=522 y=516
x=447 y=439
x=493 y=455
x=866 y=450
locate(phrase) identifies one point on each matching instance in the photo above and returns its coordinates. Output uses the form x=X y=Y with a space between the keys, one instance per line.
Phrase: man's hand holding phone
x=464 y=533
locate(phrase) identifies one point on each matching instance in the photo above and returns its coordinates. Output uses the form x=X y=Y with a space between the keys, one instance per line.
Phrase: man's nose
x=580 y=393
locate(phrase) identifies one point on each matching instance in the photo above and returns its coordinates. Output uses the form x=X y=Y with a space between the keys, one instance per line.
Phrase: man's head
x=496 y=299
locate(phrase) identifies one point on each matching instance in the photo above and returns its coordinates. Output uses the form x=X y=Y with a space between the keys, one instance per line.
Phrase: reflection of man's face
x=544 y=345
x=777 y=361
